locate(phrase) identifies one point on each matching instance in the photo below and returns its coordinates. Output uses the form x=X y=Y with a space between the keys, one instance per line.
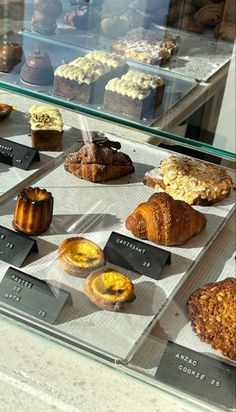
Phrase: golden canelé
x=33 y=211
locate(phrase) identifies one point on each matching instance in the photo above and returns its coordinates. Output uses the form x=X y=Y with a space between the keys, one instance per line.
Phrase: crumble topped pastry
x=190 y=180
x=212 y=310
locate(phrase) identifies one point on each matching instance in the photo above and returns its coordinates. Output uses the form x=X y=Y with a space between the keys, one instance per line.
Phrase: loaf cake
x=46 y=128
x=84 y=79
x=190 y=180
x=147 y=46
x=109 y=289
x=33 y=211
x=99 y=161
x=212 y=311
x=10 y=55
x=37 y=69
x=136 y=94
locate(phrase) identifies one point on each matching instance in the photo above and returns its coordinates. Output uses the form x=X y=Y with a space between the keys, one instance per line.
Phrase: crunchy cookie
x=190 y=180
x=212 y=310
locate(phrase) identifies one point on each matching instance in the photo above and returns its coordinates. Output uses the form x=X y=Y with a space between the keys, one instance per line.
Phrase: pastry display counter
x=194 y=69
x=110 y=243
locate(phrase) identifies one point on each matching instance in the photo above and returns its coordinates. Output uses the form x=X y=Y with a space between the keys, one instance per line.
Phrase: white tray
x=94 y=210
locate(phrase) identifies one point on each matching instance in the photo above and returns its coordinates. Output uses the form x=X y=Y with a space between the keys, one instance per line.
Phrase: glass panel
x=177 y=41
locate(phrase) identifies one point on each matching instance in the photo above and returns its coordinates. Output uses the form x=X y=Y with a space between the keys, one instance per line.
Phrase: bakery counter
x=38 y=373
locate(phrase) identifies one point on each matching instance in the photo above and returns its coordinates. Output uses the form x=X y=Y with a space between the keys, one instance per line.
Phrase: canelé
x=33 y=211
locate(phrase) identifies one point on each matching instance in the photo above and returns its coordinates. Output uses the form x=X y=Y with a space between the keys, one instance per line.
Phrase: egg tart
x=78 y=256
x=109 y=289
x=5 y=110
x=33 y=211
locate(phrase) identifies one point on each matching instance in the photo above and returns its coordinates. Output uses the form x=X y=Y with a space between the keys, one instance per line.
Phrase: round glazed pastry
x=37 y=69
x=5 y=110
x=109 y=289
x=78 y=256
x=33 y=211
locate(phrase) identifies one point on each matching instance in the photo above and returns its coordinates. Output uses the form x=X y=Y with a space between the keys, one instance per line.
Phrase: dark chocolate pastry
x=37 y=69
x=84 y=17
x=99 y=161
x=10 y=55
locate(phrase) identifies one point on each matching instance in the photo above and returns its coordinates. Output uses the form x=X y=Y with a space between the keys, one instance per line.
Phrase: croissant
x=98 y=162
x=165 y=221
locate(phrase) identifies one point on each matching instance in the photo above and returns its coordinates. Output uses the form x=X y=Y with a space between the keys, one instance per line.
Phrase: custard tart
x=109 y=289
x=78 y=256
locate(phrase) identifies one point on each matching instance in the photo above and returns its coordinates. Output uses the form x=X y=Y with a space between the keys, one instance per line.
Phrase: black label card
x=198 y=374
x=32 y=295
x=135 y=255
x=15 y=247
x=16 y=154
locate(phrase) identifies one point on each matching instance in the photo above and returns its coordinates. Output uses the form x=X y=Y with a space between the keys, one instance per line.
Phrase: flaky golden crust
x=212 y=310
x=98 y=163
x=193 y=181
x=165 y=221
x=78 y=256
x=109 y=289
x=210 y=15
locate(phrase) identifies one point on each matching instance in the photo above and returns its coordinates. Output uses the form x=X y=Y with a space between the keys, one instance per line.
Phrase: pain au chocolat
x=78 y=256
x=33 y=211
x=109 y=289
x=99 y=161
x=190 y=180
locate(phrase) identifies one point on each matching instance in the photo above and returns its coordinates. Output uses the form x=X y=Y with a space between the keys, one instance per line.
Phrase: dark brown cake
x=136 y=94
x=37 y=69
x=10 y=55
x=212 y=311
x=83 y=17
x=84 y=79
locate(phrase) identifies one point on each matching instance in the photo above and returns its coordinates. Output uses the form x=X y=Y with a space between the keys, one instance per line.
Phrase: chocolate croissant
x=99 y=161
x=165 y=221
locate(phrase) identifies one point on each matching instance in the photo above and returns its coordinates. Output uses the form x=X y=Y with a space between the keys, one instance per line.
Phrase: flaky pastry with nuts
x=193 y=181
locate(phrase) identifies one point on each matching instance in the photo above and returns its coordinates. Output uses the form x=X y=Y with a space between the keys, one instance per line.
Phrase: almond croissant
x=165 y=221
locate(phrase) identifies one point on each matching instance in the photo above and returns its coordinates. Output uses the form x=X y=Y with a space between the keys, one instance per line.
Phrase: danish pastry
x=190 y=180
x=78 y=256
x=109 y=289
x=212 y=311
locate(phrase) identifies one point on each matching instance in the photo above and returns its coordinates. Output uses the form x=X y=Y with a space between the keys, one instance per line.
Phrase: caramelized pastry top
x=77 y=255
x=109 y=289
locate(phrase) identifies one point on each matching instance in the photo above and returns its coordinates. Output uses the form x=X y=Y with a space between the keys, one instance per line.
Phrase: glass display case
x=110 y=113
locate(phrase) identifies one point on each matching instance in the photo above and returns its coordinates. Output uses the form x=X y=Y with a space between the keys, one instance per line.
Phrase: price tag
x=16 y=154
x=34 y=296
x=198 y=374
x=135 y=255
x=15 y=247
